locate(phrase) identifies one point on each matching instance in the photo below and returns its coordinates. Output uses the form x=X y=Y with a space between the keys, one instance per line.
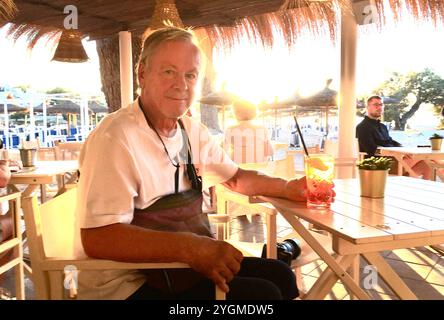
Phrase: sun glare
x=257 y=74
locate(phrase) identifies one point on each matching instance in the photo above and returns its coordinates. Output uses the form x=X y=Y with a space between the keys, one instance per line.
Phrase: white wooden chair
x=331 y=147
x=12 y=240
x=68 y=150
x=46 y=154
x=51 y=231
x=232 y=204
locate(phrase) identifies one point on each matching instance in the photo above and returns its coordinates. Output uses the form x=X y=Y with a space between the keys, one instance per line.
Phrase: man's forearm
x=252 y=183
x=128 y=243
x=5 y=175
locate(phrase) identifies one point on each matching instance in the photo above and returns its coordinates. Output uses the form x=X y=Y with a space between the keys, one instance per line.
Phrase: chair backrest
x=248 y=145
x=344 y=167
x=282 y=167
x=68 y=150
x=331 y=147
x=46 y=154
x=11 y=251
x=50 y=228
x=313 y=141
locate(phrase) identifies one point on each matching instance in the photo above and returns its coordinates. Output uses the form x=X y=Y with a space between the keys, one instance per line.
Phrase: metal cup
x=436 y=144
x=28 y=157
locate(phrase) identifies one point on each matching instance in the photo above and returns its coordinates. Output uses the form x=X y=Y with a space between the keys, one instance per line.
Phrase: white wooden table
x=45 y=172
x=410 y=215
x=425 y=154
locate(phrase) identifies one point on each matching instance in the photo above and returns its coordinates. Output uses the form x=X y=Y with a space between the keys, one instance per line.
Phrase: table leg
x=12 y=188
x=271 y=236
x=42 y=193
x=324 y=255
x=402 y=163
x=355 y=272
x=390 y=276
x=29 y=190
x=327 y=280
x=434 y=167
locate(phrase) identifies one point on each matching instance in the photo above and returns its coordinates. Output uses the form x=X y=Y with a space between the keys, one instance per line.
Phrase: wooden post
x=126 y=68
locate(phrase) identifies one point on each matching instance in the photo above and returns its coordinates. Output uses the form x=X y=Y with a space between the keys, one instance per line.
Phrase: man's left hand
x=296 y=189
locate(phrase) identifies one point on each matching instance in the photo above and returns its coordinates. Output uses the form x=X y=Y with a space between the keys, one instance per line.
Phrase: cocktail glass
x=319 y=171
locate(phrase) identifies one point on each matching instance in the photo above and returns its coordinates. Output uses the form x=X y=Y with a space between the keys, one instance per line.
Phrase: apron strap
x=196 y=181
x=176 y=177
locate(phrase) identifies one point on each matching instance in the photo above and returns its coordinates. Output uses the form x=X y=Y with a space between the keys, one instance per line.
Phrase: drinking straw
x=300 y=135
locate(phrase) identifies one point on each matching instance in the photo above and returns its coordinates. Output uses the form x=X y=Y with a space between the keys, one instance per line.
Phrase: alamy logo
x=370 y=13
x=371 y=280
x=71 y=21
x=71 y=279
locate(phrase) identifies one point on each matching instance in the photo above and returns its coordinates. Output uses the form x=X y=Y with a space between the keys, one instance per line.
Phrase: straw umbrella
x=7 y=108
x=67 y=107
x=10 y=107
x=323 y=100
x=220 y=100
x=63 y=107
x=96 y=108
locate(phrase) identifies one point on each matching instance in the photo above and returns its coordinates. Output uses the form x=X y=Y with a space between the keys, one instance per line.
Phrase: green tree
x=408 y=92
x=439 y=111
x=24 y=87
x=58 y=90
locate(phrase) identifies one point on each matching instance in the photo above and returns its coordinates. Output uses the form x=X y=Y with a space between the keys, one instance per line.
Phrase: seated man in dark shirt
x=371 y=134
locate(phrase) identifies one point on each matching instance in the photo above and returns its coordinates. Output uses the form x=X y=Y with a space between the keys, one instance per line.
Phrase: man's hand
x=216 y=260
x=14 y=165
x=296 y=189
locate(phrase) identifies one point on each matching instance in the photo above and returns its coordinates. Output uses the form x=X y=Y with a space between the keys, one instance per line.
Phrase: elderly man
x=371 y=134
x=140 y=192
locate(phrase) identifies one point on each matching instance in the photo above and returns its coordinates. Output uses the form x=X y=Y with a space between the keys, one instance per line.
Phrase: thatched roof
x=7 y=10
x=62 y=106
x=217 y=99
x=225 y=20
x=96 y=107
x=12 y=108
x=324 y=98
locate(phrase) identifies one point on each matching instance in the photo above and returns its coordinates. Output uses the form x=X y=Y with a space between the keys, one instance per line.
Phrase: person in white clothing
x=247 y=141
x=142 y=171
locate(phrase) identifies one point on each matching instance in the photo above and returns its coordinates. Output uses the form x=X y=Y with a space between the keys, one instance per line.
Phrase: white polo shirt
x=123 y=166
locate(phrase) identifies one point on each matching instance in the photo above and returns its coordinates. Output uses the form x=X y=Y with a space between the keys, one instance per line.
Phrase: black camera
x=287 y=250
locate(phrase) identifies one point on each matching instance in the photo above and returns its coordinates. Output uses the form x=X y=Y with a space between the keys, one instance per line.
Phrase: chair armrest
x=102 y=264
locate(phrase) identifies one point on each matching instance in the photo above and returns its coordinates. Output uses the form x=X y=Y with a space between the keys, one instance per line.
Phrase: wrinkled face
x=169 y=79
x=375 y=108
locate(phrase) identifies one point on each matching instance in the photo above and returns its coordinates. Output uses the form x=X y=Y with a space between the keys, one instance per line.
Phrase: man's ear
x=141 y=73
